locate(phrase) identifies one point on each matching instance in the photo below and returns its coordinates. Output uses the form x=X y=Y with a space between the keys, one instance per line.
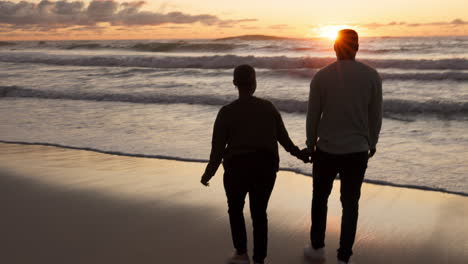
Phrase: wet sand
x=73 y=206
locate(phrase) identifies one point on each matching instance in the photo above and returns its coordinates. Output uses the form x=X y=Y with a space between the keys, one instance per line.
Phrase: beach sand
x=72 y=206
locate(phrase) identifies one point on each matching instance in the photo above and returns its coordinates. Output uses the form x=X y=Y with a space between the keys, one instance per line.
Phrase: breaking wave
x=254 y=38
x=183 y=46
x=220 y=61
x=391 y=106
x=5 y=43
x=422 y=76
x=84 y=46
x=178 y=46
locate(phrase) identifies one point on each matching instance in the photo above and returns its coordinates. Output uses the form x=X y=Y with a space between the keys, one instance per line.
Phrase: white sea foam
x=425 y=154
x=390 y=106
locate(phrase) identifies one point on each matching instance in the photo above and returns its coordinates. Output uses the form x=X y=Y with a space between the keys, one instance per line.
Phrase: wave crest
x=390 y=106
x=6 y=43
x=183 y=46
x=422 y=76
x=219 y=61
x=84 y=46
x=254 y=38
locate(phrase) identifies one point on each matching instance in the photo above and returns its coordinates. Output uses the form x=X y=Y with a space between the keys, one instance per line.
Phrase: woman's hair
x=244 y=75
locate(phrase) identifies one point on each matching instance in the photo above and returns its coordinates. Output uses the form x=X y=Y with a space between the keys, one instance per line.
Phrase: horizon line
x=218 y=38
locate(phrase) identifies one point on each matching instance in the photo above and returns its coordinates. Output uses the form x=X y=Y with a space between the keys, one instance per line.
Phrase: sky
x=190 y=19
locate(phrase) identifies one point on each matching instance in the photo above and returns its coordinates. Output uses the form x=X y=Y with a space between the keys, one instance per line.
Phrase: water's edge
x=163 y=157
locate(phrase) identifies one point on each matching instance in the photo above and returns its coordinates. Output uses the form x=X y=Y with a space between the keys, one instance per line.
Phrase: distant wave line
x=227 y=45
x=220 y=61
x=289 y=73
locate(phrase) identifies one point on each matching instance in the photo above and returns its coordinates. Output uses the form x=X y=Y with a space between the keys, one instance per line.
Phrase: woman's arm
x=218 y=146
x=285 y=140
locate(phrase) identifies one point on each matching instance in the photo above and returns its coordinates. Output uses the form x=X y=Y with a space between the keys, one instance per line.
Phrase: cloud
x=163 y=7
x=65 y=14
x=231 y=23
x=99 y=29
x=396 y=23
x=455 y=22
x=459 y=22
x=175 y=27
x=250 y=27
x=279 y=26
x=100 y=11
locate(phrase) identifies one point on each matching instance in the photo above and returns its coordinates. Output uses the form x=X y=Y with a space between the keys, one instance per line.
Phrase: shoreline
x=74 y=206
x=170 y=158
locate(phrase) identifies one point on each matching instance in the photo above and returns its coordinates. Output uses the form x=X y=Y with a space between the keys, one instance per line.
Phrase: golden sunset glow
x=331 y=32
x=182 y=19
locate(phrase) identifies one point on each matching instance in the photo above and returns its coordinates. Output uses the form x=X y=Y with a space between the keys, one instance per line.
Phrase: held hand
x=372 y=152
x=205 y=180
x=305 y=155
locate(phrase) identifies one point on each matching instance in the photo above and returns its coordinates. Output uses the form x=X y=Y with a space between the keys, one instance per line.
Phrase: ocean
x=159 y=98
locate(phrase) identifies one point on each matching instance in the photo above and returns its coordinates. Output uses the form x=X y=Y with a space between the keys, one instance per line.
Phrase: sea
x=159 y=98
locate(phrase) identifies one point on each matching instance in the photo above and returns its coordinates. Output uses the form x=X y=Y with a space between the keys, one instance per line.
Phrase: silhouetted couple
x=343 y=123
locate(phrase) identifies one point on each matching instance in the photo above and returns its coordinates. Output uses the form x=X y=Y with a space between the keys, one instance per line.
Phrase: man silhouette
x=344 y=118
x=245 y=137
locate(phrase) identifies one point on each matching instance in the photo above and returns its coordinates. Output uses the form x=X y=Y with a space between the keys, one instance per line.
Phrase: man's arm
x=375 y=116
x=314 y=113
x=218 y=146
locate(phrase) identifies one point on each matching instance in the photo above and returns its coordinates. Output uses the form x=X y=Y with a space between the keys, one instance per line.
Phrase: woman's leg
x=259 y=195
x=236 y=190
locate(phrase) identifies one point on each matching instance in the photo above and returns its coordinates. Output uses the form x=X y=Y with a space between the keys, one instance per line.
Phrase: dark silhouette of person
x=245 y=137
x=344 y=118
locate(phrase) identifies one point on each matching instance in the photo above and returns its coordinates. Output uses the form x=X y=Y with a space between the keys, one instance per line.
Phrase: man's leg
x=236 y=190
x=351 y=174
x=259 y=195
x=324 y=173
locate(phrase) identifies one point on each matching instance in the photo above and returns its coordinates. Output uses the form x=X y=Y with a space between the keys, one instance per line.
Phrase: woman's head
x=245 y=79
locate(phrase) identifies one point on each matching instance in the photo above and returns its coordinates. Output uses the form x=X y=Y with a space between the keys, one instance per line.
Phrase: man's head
x=244 y=79
x=346 y=44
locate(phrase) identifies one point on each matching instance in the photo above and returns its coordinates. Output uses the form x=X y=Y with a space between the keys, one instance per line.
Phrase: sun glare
x=331 y=32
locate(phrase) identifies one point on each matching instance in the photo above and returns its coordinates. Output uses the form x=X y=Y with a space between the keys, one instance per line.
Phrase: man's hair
x=244 y=75
x=347 y=43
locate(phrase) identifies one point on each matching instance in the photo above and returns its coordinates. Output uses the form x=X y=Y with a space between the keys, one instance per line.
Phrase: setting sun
x=331 y=32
